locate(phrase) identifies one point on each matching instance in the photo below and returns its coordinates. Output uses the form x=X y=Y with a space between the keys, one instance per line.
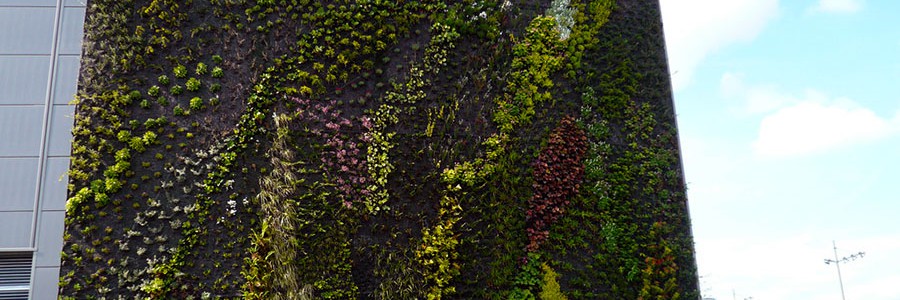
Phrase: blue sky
x=789 y=118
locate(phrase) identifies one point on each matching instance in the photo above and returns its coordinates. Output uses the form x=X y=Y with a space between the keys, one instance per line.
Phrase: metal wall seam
x=45 y=126
x=17 y=249
x=45 y=130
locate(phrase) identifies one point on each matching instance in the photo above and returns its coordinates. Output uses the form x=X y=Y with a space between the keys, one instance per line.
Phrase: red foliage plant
x=558 y=173
x=344 y=156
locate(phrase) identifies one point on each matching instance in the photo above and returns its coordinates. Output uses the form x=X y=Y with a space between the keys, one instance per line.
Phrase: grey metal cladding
x=48 y=281
x=53 y=193
x=26 y=44
x=18 y=177
x=28 y=3
x=23 y=79
x=72 y=30
x=16 y=231
x=26 y=30
x=60 y=137
x=66 y=81
x=76 y=2
x=20 y=130
x=50 y=232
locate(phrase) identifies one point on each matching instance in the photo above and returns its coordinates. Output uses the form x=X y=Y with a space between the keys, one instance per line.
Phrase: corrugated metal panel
x=55 y=183
x=26 y=30
x=18 y=177
x=16 y=232
x=72 y=30
x=76 y=2
x=50 y=231
x=60 y=137
x=28 y=2
x=45 y=283
x=20 y=130
x=23 y=79
x=66 y=81
x=15 y=275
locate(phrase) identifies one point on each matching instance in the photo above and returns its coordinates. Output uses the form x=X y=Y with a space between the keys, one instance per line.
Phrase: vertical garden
x=375 y=149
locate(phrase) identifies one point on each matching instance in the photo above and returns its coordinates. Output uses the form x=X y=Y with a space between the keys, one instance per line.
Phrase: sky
x=789 y=119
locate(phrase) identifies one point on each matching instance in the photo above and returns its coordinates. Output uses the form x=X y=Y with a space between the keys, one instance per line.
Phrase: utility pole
x=837 y=263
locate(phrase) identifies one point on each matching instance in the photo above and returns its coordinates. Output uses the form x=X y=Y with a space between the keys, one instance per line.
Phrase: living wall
x=375 y=149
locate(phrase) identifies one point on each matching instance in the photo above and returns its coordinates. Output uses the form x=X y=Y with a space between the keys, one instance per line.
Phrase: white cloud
x=814 y=125
x=838 y=6
x=697 y=28
x=801 y=124
x=755 y=99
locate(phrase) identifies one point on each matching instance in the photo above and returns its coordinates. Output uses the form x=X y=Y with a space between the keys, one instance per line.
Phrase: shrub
x=178 y=111
x=192 y=84
x=180 y=71
x=153 y=91
x=201 y=69
x=163 y=80
x=217 y=72
x=196 y=103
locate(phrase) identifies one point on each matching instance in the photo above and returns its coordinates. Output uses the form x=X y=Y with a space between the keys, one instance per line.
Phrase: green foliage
x=257 y=270
x=83 y=195
x=549 y=285
x=659 y=275
x=163 y=80
x=535 y=59
x=134 y=96
x=176 y=90
x=192 y=84
x=201 y=69
x=616 y=89
x=437 y=254
x=386 y=115
x=153 y=91
x=269 y=271
x=250 y=186
x=178 y=110
x=217 y=72
x=528 y=279
x=589 y=18
x=137 y=144
x=180 y=71
x=196 y=104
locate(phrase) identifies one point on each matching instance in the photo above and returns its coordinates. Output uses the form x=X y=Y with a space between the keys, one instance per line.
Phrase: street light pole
x=837 y=263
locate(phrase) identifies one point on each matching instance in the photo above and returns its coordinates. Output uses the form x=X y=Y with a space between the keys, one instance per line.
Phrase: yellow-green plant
x=549 y=285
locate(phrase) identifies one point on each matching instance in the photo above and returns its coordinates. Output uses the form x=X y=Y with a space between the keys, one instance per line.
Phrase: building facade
x=197 y=108
x=40 y=50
